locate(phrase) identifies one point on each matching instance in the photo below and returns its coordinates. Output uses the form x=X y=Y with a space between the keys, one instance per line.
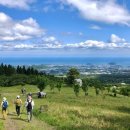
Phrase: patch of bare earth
x=20 y=123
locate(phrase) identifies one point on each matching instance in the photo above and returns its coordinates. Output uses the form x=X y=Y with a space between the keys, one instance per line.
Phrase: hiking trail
x=20 y=123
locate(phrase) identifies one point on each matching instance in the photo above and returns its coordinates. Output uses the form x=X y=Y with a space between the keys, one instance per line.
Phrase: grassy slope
x=13 y=122
x=67 y=112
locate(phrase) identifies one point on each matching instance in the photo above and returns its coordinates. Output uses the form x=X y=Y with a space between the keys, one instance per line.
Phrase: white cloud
x=88 y=44
x=21 y=4
x=95 y=27
x=99 y=10
x=116 y=39
x=28 y=27
x=49 y=39
x=23 y=46
x=50 y=42
x=11 y=30
x=4 y=18
x=112 y=45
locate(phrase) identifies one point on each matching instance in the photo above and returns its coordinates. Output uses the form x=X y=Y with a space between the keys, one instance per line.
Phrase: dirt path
x=10 y=124
x=16 y=123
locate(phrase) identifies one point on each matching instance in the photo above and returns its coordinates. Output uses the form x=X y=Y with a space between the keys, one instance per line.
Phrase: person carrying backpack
x=18 y=103
x=23 y=90
x=4 y=105
x=29 y=104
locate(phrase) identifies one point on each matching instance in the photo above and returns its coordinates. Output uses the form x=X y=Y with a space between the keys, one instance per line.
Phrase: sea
x=124 y=61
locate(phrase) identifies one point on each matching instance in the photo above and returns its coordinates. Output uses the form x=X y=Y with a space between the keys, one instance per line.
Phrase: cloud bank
x=11 y=30
x=108 y=11
x=50 y=42
x=20 y=4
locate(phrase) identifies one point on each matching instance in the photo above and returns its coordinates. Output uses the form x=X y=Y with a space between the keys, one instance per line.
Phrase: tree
x=114 y=90
x=22 y=84
x=97 y=91
x=85 y=86
x=76 y=89
x=41 y=85
x=72 y=75
x=52 y=86
x=125 y=91
x=58 y=86
x=24 y=71
x=10 y=70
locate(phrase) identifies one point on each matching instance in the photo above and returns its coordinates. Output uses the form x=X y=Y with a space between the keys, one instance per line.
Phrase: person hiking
x=29 y=104
x=23 y=91
x=4 y=105
x=29 y=94
x=18 y=103
x=39 y=94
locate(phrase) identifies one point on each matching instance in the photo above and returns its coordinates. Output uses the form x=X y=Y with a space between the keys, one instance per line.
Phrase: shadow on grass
x=20 y=119
x=12 y=114
x=123 y=109
x=23 y=113
x=111 y=95
x=2 y=118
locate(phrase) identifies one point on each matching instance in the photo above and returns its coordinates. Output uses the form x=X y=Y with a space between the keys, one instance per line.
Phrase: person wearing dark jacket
x=29 y=104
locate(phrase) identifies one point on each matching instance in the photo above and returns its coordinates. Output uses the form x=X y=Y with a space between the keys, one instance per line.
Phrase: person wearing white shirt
x=29 y=104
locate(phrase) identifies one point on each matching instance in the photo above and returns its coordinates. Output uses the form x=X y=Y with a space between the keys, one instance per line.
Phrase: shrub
x=76 y=89
x=125 y=91
x=41 y=85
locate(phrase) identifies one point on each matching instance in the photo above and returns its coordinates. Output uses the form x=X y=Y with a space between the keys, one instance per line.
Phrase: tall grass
x=68 y=112
x=1 y=125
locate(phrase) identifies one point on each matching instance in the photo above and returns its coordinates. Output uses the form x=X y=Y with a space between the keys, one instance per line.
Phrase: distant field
x=68 y=112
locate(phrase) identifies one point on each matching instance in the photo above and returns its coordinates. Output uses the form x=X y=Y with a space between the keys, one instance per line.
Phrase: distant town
x=88 y=69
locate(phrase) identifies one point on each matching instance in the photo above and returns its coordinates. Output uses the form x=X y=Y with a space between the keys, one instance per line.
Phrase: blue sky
x=86 y=28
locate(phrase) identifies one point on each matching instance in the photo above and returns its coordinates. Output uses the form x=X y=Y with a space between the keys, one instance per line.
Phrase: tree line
x=114 y=78
x=110 y=83
x=21 y=75
x=9 y=70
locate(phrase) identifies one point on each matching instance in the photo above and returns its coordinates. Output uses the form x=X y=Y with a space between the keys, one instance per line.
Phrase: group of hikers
x=29 y=104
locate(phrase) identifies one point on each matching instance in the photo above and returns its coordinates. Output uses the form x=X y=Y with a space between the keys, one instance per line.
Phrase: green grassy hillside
x=68 y=112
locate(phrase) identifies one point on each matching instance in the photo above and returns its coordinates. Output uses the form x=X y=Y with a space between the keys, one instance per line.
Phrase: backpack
x=18 y=102
x=29 y=106
x=5 y=104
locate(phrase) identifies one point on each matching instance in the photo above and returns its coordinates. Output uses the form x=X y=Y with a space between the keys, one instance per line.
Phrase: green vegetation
x=72 y=75
x=68 y=112
x=110 y=110
x=114 y=78
x=41 y=85
x=85 y=86
x=1 y=125
x=76 y=89
x=58 y=86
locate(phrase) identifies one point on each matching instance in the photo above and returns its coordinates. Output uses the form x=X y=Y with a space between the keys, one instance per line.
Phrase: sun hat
x=4 y=98
x=18 y=96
